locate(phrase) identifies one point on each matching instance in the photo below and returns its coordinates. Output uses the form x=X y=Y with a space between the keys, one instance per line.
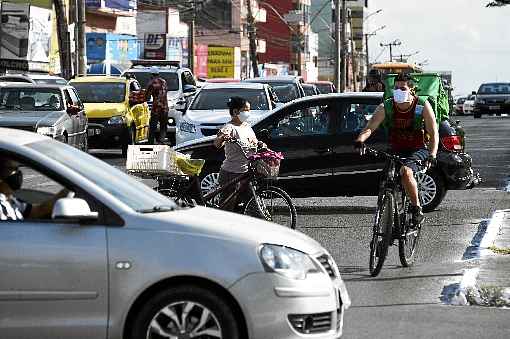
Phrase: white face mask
x=244 y=115
x=401 y=96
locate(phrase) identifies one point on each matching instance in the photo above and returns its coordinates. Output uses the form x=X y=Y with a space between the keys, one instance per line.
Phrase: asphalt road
x=410 y=302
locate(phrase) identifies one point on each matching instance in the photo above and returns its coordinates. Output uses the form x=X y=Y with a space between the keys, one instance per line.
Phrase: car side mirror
x=189 y=89
x=72 y=209
x=73 y=110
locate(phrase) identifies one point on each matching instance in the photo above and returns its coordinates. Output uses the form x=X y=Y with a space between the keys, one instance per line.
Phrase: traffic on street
x=252 y=171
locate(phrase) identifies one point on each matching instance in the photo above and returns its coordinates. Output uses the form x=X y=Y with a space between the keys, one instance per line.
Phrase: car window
x=30 y=99
x=355 y=117
x=309 y=90
x=217 y=98
x=324 y=88
x=101 y=92
x=286 y=91
x=494 y=89
x=134 y=86
x=77 y=97
x=307 y=121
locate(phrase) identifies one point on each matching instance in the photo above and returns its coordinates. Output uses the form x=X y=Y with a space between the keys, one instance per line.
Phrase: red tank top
x=403 y=135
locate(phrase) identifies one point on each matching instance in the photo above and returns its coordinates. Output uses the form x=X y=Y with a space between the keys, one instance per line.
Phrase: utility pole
x=355 y=68
x=395 y=42
x=82 y=63
x=253 y=39
x=368 y=35
x=63 y=39
x=343 y=64
x=191 y=37
x=338 y=46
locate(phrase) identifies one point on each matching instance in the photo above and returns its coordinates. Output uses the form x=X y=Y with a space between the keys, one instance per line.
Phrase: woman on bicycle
x=236 y=161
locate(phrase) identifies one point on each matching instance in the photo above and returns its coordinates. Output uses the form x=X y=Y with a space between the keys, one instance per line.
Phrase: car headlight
x=116 y=120
x=50 y=131
x=187 y=127
x=286 y=261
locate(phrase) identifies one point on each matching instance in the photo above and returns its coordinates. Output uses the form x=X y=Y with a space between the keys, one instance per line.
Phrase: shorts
x=421 y=154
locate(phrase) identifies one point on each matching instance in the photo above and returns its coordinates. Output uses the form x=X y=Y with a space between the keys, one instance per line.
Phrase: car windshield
x=30 y=99
x=285 y=91
x=51 y=81
x=171 y=78
x=494 y=89
x=209 y=99
x=101 y=92
x=125 y=188
x=324 y=88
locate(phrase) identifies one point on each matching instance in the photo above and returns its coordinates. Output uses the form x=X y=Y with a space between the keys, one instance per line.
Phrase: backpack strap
x=388 y=113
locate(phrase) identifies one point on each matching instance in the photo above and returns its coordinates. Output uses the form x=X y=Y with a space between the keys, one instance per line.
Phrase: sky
x=461 y=36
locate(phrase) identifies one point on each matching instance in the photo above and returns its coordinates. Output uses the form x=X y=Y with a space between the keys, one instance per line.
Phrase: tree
x=498 y=3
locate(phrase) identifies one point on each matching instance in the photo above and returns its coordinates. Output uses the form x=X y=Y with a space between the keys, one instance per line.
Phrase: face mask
x=244 y=115
x=15 y=180
x=400 y=96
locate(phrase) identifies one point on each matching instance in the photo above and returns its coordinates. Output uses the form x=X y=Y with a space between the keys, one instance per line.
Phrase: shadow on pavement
x=328 y=210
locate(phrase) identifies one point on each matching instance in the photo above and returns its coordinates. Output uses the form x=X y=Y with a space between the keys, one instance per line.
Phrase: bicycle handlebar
x=396 y=158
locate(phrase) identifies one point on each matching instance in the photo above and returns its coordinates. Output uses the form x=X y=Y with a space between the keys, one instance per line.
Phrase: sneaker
x=417 y=216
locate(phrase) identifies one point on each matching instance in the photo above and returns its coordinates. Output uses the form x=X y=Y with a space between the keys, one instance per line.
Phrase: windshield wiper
x=158 y=208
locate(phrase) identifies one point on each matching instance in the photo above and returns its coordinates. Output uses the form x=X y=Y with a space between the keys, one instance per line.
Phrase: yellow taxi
x=115 y=121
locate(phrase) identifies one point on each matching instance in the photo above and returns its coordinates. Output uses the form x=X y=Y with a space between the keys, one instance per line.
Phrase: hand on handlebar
x=360 y=147
x=431 y=162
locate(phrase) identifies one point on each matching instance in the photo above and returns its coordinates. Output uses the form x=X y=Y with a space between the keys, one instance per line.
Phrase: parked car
x=181 y=85
x=469 y=104
x=118 y=260
x=34 y=79
x=287 y=88
x=208 y=110
x=310 y=89
x=52 y=110
x=325 y=87
x=459 y=106
x=492 y=98
x=316 y=134
x=114 y=121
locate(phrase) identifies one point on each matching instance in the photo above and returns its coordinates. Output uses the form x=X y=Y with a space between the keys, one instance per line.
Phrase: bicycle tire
x=381 y=233
x=276 y=203
x=408 y=241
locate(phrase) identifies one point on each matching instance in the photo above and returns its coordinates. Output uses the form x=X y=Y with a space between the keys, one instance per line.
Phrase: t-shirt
x=235 y=160
x=12 y=208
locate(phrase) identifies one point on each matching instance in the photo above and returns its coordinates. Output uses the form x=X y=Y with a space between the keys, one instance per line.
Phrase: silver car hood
x=208 y=222
x=31 y=118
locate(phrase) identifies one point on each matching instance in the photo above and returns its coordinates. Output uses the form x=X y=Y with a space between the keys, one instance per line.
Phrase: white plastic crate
x=152 y=159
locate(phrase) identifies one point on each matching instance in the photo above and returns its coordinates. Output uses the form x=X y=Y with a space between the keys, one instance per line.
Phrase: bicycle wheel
x=276 y=206
x=408 y=240
x=382 y=233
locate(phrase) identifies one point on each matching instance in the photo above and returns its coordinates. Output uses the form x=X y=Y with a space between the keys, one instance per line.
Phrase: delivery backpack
x=428 y=87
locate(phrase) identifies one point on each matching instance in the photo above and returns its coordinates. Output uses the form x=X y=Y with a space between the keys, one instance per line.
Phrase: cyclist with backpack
x=413 y=134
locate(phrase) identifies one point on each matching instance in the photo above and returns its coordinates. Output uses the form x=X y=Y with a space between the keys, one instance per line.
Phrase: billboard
x=39 y=36
x=220 y=62
x=154 y=46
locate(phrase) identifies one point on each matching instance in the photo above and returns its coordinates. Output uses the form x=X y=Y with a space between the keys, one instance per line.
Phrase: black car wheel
x=186 y=312
x=431 y=188
x=129 y=139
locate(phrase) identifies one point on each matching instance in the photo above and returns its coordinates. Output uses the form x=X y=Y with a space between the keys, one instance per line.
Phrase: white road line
x=492 y=231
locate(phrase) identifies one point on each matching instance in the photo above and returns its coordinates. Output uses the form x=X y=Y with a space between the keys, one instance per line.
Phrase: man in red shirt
x=407 y=135
x=157 y=88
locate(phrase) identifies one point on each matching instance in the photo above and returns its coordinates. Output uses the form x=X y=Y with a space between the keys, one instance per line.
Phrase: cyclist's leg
x=409 y=168
x=223 y=179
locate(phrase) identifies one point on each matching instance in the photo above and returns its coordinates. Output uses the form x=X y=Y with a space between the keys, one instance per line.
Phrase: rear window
x=324 y=88
x=494 y=89
x=309 y=90
x=285 y=91
x=171 y=78
x=101 y=92
x=217 y=98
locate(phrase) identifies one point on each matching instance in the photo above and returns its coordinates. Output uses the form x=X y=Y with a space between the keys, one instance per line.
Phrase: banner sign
x=155 y=46
x=220 y=62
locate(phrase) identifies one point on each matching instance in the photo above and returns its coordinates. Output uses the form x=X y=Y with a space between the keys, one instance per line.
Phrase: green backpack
x=429 y=87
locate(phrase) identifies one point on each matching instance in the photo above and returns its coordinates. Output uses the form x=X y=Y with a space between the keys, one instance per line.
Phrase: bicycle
x=261 y=200
x=393 y=220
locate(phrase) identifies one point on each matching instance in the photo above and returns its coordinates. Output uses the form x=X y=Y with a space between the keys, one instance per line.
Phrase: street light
x=373 y=13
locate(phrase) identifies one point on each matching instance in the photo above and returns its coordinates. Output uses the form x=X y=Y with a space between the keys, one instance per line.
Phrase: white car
x=469 y=104
x=208 y=110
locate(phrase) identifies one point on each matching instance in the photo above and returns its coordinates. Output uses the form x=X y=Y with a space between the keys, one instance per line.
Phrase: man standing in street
x=374 y=82
x=157 y=88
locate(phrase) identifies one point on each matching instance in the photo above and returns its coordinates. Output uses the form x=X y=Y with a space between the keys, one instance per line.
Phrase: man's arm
x=43 y=210
x=148 y=92
x=429 y=118
x=372 y=124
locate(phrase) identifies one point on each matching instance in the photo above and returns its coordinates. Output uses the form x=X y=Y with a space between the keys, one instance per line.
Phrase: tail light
x=453 y=143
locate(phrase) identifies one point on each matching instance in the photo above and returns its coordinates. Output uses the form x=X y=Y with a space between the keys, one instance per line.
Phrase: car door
x=72 y=133
x=53 y=274
x=303 y=132
x=355 y=174
x=140 y=114
x=81 y=117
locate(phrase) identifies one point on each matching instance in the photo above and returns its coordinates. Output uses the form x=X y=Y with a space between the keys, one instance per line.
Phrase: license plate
x=494 y=107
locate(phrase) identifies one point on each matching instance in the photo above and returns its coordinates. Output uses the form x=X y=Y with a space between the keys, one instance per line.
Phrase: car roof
x=162 y=69
x=320 y=82
x=16 y=137
x=286 y=78
x=31 y=85
x=213 y=85
x=99 y=78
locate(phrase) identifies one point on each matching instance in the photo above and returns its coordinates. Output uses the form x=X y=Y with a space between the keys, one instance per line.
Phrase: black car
x=52 y=110
x=492 y=98
x=316 y=135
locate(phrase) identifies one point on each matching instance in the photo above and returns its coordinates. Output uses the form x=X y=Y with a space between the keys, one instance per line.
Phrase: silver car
x=119 y=260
